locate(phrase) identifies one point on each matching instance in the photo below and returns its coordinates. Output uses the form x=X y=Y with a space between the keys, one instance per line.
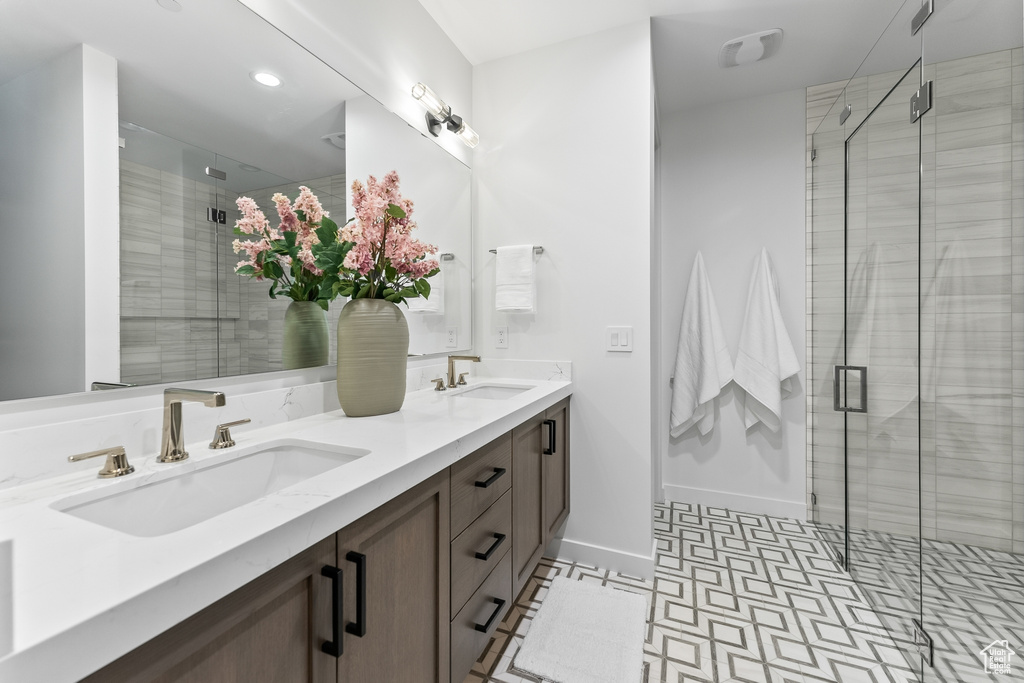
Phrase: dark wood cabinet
x=402 y=596
x=540 y=487
x=271 y=629
x=424 y=581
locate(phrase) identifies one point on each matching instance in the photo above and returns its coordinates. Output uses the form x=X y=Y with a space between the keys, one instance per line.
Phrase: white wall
x=562 y=165
x=384 y=47
x=732 y=182
x=440 y=187
x=101 y=214
x=47 y=117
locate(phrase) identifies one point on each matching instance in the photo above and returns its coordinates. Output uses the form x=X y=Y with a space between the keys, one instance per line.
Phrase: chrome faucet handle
x=222 y=437
x=116 y=465
x=439 y=383
x=462 y=379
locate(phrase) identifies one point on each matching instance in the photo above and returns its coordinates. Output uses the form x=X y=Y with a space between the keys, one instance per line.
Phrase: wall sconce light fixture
x=439 y=113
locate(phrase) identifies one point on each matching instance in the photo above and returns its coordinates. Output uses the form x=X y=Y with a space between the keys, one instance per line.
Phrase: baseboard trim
x=630 y=564
x=736 y=501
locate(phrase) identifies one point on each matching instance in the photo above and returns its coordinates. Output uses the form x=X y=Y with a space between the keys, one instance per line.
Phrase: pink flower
x=289 y=221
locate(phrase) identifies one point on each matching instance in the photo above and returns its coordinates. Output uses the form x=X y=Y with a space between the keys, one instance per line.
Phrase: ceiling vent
x=750 y=49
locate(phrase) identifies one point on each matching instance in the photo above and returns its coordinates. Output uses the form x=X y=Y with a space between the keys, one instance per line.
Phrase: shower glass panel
x=972 y=298
x=827 y=212
x=928 y=506
x=878 y=390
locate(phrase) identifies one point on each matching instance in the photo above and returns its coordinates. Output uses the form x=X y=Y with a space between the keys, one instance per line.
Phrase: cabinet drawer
x=479 y=549
x=489 y=604
x=478 y=481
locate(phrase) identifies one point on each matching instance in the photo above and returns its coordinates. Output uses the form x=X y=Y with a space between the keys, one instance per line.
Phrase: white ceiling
x=824 y=41
x=187 y=75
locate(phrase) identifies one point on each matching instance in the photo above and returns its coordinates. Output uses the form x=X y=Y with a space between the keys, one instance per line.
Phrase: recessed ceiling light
x=267 y=79
x=169 y=5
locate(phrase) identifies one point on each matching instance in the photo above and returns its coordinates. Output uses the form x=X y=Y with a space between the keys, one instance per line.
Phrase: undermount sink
x=493 y=391
x=213 y=487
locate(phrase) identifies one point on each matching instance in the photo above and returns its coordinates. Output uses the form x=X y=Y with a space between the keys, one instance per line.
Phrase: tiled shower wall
x=184 y=313
x=971 y=303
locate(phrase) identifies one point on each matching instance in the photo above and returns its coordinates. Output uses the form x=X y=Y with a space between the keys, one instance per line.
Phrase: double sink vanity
x=323 y=548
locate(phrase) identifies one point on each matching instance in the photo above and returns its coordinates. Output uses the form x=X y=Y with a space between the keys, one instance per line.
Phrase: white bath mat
x=585 y=633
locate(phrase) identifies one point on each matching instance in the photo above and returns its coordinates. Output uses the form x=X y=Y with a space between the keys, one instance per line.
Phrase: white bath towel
x=703 y=364
x=765 y=361
x=514 y=288
x=435 y=303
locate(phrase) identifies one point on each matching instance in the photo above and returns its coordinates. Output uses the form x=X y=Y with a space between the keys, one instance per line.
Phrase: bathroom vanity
x=397 y=565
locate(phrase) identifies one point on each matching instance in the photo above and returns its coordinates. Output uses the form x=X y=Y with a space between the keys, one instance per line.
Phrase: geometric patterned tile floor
x=737 y=598
x=968 y=596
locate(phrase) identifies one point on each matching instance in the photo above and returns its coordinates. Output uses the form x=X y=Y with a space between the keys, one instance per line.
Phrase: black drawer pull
x=358 y=628
x=498 y=471
x=498 y=540
x=334 y=647
x=485 y=627
x=550 y=450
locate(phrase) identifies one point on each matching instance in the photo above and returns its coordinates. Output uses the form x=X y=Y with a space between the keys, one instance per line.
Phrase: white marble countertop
x=83 y=594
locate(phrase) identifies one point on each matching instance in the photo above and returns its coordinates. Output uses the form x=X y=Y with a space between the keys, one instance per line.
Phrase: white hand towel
x=765 y=361
x=514 y=283
x=434 y=304
x=703 y=364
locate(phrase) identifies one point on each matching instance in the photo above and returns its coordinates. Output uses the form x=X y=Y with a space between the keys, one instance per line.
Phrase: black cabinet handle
x=485 y=627
x=498 y=471
x=358 y=628
x=550 y=450
x=334 y=647
x=498 y=540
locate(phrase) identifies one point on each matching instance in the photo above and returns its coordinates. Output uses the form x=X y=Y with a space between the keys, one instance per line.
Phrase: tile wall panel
x=971 y=298
x=179 y=320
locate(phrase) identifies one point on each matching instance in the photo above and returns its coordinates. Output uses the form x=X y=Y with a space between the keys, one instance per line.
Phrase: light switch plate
x=452 y=340
x=619 y=339
x=501 y=337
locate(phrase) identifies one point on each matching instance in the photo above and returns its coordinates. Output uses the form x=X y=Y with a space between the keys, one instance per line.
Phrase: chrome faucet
x=451 y=367
x=173 y=447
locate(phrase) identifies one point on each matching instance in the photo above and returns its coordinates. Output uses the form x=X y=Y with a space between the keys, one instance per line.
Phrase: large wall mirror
x=123 y=146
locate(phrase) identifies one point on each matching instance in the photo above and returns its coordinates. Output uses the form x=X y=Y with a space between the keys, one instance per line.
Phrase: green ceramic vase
x=306 y=339
x=373 y=350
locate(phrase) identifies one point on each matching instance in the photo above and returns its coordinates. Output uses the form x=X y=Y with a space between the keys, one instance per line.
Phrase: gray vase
x=306 y=339
x=373 y=350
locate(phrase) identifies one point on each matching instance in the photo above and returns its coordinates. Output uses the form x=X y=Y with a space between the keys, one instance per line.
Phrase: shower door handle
x=840 y=372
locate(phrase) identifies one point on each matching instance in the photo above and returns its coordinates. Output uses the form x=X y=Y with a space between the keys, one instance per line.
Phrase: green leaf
x=396 y=211
x=273 y=290
x=363 y=291
x=327 y=234
x=409 y=293
x=238 y=231
x=432 y=273
x=423 y=287
x=290 y=237
x=323 y=303
x=390 y=273
x=301 y=215
x=394 y=298
x=273 y=269
x=246 y=270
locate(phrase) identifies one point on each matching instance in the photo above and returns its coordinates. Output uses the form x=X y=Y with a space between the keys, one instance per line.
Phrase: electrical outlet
x=501 y=338
x=452 y=341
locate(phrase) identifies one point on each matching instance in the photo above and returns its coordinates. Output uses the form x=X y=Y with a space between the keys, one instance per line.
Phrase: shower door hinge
x=921 y=102
x=814 y=499
x=215 y=216
x=922 y=16
x=814 y=154
x=923 y=641
x=216 y=173
x=845 y=114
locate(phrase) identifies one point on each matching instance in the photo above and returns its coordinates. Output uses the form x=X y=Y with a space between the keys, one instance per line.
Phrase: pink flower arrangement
x=288 y=255
x=385 y=261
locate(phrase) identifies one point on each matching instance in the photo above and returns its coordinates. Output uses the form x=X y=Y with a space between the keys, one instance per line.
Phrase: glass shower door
x=876 y=388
